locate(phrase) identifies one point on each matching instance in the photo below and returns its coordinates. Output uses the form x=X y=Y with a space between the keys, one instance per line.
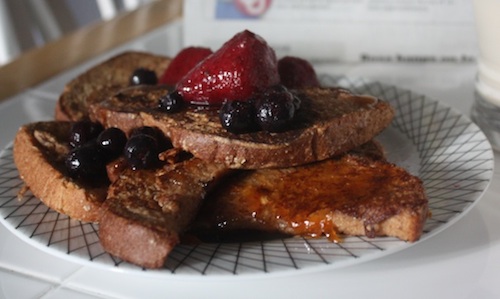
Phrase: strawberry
x=182 y=63
x=296 y=72
x=243 y=66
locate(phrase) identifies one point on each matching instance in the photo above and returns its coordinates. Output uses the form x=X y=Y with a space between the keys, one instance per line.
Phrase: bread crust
x=134 y=240
x=37 y=151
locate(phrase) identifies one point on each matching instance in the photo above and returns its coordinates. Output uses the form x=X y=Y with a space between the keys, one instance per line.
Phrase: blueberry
x=86 y=163
x=275 y=109
x=143 y=76
x=171 y=102
x=141 y=151
x=162 y=141
x=84 y=131
x=278 y=88
x=112 y=141
x=296 y=102
x=238 y=117
x=145 y=130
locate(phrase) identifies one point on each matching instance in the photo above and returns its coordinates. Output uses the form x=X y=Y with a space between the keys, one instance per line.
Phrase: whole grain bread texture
x=102 y=80
x=330 y=122
x=39 y=152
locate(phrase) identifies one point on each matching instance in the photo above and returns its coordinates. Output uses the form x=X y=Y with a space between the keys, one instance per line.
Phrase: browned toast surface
x=102 y=80
x=356 y=194
x=147 y=210
x=330 y=122
x=39 y=151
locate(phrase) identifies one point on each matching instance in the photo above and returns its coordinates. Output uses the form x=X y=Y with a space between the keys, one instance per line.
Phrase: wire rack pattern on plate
x=455 y=164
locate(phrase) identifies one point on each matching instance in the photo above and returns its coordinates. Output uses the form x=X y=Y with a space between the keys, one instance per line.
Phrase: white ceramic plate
x=443 y=147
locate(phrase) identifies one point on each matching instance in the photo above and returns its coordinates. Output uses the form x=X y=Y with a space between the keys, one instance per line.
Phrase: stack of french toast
x=154 y=149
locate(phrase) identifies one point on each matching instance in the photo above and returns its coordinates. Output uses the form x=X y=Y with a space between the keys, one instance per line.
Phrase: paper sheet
x=415 y=31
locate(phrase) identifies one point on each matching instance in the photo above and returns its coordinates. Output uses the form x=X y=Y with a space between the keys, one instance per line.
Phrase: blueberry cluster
x=92 y=147
x=272 y=110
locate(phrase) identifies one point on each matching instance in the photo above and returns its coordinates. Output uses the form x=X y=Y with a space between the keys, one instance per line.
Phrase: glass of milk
x=486 y=108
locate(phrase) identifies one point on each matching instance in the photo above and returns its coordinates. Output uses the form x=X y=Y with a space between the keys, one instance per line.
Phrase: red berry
x=297 y=73
x=244 y=65
x=182 y=63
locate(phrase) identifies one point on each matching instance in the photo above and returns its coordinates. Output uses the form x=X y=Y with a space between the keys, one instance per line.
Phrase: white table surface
x=463 y=261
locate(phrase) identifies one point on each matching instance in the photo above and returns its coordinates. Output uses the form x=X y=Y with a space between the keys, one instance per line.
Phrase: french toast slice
x=359 y=193
x=330 y=122
x=102 y=80
x=39 y=152
x=146 y=211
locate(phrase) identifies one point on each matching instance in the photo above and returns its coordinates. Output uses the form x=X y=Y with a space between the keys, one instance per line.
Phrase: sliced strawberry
x=182 y=63
x=296 y=72
x=243 y=66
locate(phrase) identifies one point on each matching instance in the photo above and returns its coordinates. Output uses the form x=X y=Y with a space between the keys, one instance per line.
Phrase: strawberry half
x=182 y=63
x=296 y=72
x=243 y=66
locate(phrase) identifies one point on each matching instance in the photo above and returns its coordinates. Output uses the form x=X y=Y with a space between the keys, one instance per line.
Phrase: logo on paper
x=241 y=9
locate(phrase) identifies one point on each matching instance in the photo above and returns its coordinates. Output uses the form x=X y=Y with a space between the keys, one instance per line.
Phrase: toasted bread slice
x=359 y=193
x=39 y=152
x=147 y=210
x=104 y=79
x=330 y=122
